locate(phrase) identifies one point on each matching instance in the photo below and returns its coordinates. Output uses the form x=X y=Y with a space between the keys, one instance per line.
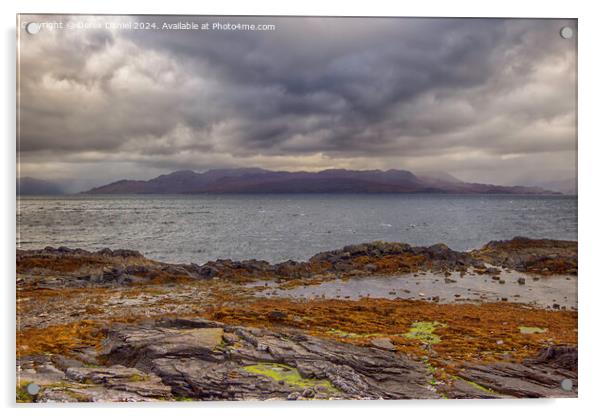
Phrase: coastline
x=113 y=325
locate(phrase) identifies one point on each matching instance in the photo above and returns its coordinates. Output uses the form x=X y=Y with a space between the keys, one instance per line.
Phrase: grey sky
x=487 y=100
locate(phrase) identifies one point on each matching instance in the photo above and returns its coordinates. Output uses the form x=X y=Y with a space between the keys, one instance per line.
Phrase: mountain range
x=256 y=180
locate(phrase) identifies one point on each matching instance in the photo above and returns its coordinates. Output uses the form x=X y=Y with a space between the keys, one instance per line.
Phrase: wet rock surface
x=469 y=287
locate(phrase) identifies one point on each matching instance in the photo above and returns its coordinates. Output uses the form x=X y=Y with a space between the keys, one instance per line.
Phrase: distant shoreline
x=257 y=180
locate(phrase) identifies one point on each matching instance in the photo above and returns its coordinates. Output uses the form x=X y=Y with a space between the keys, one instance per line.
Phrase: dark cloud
x=486 y=99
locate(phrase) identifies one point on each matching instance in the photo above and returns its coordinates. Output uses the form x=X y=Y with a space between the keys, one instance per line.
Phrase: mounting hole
x=33 y=389
x=566 y=32
x=566 y=384
x=32 y=28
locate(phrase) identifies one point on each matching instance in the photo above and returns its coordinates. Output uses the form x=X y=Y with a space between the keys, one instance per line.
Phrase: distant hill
x=566 y=186
x=438 y=176
x=254 y=180
x=33 y=186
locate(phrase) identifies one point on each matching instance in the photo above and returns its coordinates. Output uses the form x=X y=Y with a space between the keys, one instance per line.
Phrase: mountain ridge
x=256 y=180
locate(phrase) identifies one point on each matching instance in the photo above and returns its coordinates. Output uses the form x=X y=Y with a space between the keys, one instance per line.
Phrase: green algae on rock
x=425 y=331
x=289 y=375
x=345 y=334
x=532 y=330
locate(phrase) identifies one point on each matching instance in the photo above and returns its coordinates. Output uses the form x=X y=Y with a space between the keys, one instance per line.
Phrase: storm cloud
x=487 y=100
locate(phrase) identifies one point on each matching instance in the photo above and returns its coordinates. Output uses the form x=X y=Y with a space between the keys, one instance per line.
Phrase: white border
x=590 y=287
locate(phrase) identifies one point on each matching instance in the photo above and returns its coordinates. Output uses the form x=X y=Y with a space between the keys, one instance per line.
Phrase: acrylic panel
x=295 y=208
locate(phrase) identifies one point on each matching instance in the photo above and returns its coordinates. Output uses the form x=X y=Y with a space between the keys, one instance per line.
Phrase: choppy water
x=281 y=227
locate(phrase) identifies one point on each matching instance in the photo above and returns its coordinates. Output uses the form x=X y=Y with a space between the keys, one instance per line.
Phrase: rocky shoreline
x=113 y=325
x=81 y=268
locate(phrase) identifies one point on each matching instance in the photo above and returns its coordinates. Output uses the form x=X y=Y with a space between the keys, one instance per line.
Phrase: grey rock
x=383 y=343
x=200 y=372
x=308 y=393
x=122 y=378
x=462 y=389
x=62 y=362
x=537 y=377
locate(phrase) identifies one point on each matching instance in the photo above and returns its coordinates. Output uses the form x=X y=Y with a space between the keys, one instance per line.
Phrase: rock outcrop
x=198 y=359
x=541 y=376
x=206 y=360
x=64 y=267
x=195 y=359
x=523 y=254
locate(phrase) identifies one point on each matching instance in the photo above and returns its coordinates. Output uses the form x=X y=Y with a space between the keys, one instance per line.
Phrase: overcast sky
x=485 y=100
